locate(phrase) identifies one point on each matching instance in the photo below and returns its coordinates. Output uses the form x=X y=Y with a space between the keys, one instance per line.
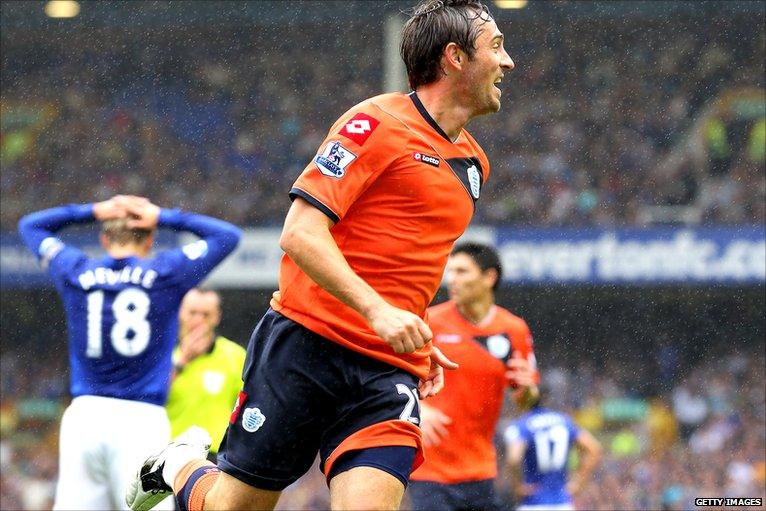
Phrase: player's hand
x=520 y=371
x=433 y=424
x=574 y=487
x=110 y=209
x=404 y=331
x=524 y=490
x=143 y=214
x=194 y=343
x=435 y=381
x=130 y=201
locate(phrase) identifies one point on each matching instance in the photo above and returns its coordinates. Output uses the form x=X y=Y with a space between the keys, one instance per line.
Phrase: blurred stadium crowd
x=593 y=112
x=224 y=124
x=704 y=437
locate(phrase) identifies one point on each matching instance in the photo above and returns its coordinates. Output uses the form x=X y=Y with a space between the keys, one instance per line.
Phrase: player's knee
x=365 y=489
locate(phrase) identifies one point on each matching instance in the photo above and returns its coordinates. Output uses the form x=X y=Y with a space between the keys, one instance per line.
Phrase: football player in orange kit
x=494 y=350
x=338 y=363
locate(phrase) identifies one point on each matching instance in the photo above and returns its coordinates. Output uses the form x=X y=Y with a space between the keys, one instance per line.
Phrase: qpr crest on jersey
x=334 y=159
x=499 y=346
x=475 y=181
x=252 y=419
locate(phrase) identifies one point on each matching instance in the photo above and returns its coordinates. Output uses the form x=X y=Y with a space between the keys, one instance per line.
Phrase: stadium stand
x=654 y=456
x=225 y=124
x=670 y=379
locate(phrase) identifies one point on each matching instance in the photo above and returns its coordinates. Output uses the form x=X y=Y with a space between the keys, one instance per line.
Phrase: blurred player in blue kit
x=538 y=445
x=122 y=318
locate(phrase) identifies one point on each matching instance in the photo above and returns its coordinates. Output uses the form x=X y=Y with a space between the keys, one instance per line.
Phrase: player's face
x=466 y=282
x=199 y=309
x=484 y=71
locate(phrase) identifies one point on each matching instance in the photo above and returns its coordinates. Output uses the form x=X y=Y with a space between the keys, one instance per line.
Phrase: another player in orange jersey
x=494 y=350
x=337 y=365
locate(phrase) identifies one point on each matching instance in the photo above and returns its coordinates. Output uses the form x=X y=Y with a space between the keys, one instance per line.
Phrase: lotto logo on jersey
x=448 y=338
x=334 y=159
x=425 y=158
x=359 y=128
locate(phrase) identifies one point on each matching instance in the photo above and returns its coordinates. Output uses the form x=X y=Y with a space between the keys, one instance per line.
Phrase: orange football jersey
x=401 y=192
x=473 y=394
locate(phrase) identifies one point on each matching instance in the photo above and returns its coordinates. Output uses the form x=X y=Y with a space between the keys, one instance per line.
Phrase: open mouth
x=496 y=83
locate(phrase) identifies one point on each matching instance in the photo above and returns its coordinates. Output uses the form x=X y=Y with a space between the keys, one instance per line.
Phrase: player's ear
x=491 y=275
x=453 y=58
x=104 y=241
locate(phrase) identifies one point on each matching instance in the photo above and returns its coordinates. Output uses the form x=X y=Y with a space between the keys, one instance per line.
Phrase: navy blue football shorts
x=304 y=394
x=470 y=496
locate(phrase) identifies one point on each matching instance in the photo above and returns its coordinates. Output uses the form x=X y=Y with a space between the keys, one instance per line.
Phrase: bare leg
x=231 y=493
x=365 y=488
x=216 y=490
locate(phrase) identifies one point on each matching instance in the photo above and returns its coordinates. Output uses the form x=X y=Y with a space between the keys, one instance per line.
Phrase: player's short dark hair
x=433 y=24
x=117 y=231
x=485 y=256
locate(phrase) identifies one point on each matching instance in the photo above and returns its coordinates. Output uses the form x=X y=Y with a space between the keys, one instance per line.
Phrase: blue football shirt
x=549 y=436
x=122 y=314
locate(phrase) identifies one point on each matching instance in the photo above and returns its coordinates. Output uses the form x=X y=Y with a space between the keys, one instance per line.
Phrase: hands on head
x=139 y=211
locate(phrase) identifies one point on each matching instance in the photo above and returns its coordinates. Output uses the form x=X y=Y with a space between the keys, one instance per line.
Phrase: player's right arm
x=38 y=230
x=433 y=424
x=515 y=449
x=522 y=373
x=307 y=240
x=590 y=456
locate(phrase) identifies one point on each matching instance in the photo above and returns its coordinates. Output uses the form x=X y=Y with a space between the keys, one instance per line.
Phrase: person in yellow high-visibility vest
x=207 y=369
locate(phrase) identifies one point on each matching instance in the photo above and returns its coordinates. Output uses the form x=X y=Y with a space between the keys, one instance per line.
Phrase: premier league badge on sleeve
x=334 y=159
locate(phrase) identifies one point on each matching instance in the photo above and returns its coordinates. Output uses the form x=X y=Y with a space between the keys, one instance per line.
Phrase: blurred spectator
x=648 y=466
x=226 y=123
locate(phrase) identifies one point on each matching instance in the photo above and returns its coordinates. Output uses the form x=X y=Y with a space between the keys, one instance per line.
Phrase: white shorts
x=102 y=445
x=546 y=507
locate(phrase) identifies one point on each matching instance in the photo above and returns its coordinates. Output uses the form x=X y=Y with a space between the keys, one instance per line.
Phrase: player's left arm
x=515 y=449
x=590 y=456
x=217 y=237
x=522 y=370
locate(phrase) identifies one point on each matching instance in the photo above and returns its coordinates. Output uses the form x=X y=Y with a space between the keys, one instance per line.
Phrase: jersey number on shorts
x=412 y=400
x=552 y=446
x=130 y=309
